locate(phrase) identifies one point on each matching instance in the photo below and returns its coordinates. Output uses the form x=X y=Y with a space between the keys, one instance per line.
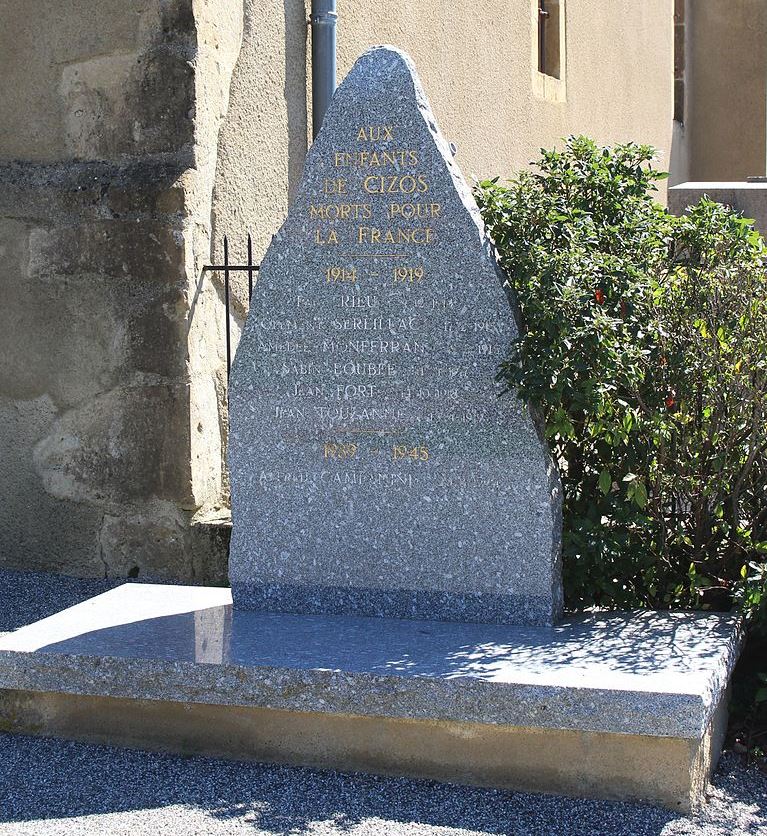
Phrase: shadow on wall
x=679 y=158
x=260 y=155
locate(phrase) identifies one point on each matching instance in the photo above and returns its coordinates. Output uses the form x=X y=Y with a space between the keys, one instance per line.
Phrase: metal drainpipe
x=323 y=22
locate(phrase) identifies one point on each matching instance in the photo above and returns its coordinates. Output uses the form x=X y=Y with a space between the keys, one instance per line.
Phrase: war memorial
x=396 y=598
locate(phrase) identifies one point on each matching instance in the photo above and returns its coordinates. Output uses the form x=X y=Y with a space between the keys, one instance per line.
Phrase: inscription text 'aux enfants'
x=368 y=442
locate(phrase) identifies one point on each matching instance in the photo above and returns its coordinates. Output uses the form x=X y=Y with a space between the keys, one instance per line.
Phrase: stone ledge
x=663 y=770
x=654 y=674
x=148 y=186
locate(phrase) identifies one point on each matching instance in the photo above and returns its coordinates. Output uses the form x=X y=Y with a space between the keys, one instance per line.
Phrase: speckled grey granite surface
x=374 y=468
x=634 y=673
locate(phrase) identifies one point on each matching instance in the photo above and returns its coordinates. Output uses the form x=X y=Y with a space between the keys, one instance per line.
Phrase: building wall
x=726 y=89
x=109 y=383
x=477 y=60
x=133 y=136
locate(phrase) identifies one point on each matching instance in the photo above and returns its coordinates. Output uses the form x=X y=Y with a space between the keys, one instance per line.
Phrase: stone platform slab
x=619 y=705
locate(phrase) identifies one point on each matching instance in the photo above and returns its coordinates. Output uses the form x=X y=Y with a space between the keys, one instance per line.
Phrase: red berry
x=670 y=402
x=599 y=295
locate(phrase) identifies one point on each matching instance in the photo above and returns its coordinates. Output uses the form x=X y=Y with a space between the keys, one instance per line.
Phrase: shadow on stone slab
x=629 y=643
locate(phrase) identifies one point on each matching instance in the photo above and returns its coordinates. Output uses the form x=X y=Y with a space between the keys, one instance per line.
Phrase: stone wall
x=133 y=135
x=111 y=375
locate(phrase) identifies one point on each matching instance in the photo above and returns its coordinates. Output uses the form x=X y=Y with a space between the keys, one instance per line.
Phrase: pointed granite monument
x=376 y=466
x=377 y=470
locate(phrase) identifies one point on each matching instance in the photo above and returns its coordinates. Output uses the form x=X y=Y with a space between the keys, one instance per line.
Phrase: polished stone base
x=626 y=705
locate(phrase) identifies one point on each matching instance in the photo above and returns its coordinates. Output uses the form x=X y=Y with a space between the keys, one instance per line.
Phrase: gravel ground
x=59 y=787
x=29 y=596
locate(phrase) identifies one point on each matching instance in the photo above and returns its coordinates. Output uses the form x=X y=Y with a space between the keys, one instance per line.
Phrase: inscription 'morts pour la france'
x=374 y=468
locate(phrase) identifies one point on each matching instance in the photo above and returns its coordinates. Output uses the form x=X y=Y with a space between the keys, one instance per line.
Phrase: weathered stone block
x=120 y=447
x=39 y=531
x=140 y=250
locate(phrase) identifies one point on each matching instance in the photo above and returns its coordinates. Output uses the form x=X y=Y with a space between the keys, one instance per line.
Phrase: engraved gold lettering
x=407 y=235
x=401 y=452
x=341 y=211
x=320 y=240
x=375 y=133
x=393 y=158
x=392 y=184
x=341 y=274
x=408 y=275
x=339 y=451
x=335 y=185
x=409 y=211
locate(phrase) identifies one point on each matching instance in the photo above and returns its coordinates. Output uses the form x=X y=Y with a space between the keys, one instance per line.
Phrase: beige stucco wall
x=264 y=138
x=726 y=79
x=476 y=59
x=133 y=136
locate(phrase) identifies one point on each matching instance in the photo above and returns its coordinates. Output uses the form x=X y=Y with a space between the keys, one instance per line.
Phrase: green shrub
x=644 y=345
